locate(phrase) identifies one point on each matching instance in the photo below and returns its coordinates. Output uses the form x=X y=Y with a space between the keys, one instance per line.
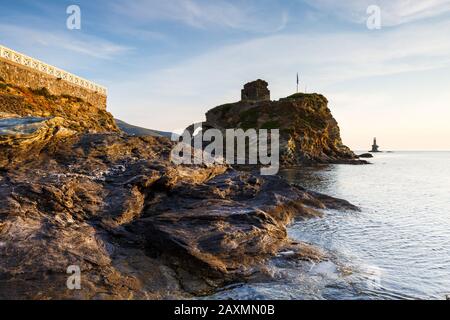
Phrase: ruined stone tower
x=256 y=91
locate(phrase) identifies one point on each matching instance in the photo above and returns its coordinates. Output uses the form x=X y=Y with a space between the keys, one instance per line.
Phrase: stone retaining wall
x=20 y=75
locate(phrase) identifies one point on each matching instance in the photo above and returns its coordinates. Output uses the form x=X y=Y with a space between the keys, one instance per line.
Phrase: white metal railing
x=24 y=60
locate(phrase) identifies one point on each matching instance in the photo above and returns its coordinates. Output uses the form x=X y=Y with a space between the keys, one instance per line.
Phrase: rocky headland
x=77 y=191
x=309 y=134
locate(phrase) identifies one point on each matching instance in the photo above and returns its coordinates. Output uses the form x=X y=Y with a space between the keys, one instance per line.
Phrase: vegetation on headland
x=39 y=102
x=309 y=132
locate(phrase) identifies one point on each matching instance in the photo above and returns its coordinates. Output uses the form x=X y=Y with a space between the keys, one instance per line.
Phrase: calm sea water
x=398 y=247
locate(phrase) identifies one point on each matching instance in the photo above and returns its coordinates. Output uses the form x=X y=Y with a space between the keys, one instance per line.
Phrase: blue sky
x=168 y=62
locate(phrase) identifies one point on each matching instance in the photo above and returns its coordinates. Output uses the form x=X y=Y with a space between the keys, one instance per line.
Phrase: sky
x=166 y=63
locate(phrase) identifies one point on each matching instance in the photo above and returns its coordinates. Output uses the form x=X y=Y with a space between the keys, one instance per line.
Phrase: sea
x=396 y=248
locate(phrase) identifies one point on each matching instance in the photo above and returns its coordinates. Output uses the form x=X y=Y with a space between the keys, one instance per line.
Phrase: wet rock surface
x=137 y=226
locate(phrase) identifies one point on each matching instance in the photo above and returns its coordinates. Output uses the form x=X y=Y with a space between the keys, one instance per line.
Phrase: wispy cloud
x=67 y=41
x=188 y=89
x=393 y=12
x=204 y=14
x=167 y=62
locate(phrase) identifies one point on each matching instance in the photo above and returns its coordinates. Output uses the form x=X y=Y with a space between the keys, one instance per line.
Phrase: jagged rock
x=137 y=226
x=366 y=155
x=26 y=102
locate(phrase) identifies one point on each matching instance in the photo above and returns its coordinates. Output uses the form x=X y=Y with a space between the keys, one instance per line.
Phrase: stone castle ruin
x=256 y=91
x=21 y=70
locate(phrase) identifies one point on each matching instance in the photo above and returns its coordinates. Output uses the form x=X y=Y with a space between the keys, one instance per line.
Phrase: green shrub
x=297 y=96
x=3 y=86
x=270 y=125
x=43 y=92
x=249 y=118
x=69 y=97
x=226 y=107
x=315 y=98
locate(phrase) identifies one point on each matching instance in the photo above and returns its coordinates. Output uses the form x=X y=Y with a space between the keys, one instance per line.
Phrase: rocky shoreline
x=139 y=227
